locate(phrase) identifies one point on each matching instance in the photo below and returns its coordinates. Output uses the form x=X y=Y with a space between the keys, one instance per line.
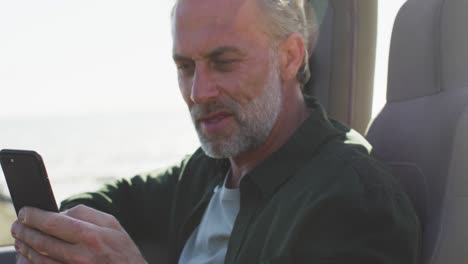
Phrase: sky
x=101 y=56
x=86 y=56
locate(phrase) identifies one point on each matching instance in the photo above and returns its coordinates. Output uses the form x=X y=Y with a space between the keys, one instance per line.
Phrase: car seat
x=422 y=131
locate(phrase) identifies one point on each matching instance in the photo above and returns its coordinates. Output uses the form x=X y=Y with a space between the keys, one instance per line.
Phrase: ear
x=292 y=50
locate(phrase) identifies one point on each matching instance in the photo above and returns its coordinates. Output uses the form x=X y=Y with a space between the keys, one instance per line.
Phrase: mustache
x=199 y=111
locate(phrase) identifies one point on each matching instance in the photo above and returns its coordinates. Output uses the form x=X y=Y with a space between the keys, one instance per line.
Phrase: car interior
x=420 y=132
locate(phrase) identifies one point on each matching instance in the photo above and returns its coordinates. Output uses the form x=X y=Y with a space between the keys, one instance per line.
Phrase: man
x=274 y=181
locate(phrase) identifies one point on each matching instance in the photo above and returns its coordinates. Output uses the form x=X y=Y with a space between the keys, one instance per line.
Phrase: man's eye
x=224 y=62
x=185 y=67
x=224 y=65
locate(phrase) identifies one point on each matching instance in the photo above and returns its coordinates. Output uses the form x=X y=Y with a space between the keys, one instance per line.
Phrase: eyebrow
x=224 y=49
x=213 y=54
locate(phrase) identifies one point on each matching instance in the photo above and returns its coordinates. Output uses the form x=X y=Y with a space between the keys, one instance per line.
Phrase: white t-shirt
x=208 y=242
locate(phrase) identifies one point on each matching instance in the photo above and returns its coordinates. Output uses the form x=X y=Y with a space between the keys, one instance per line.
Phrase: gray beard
x=254 y=122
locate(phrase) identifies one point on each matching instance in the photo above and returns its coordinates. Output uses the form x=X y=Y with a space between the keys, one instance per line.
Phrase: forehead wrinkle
x=225 y=15
x=213 y=53
x=202 y=18
x=218 y=27
x=214 y=12
x=224 y=49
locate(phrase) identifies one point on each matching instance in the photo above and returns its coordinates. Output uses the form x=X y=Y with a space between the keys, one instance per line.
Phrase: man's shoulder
x=344 y=167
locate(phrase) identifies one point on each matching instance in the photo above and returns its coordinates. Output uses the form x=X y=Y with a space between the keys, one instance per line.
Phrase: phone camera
x=12 y=160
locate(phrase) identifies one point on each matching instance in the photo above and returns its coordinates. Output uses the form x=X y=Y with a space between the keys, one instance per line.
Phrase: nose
x=204 y=87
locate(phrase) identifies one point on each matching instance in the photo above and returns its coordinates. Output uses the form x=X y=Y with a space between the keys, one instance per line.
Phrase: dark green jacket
x=318 y=199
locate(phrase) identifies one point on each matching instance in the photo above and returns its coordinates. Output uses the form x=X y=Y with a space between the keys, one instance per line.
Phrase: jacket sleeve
x=359 y=223
x=141 y=204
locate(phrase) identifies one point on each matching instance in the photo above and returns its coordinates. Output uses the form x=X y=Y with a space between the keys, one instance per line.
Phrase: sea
x=83 y=152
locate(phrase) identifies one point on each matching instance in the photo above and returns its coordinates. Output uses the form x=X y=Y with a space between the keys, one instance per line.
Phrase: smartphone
x=27 y=180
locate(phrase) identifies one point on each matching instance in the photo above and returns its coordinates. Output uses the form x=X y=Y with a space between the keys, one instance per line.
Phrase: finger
x=41 y=243
x=94 y=216
x=28 y=255
x=57 y=225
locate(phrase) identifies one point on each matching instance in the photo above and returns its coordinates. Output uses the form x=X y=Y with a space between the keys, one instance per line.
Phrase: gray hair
x=285 y=17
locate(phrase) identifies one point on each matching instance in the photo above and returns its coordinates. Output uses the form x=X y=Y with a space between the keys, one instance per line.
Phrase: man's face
x=228 y=73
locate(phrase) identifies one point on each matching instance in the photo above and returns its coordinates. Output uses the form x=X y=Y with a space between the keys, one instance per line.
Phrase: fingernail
x=21 y=215
x=14 y=228
x=18 y=245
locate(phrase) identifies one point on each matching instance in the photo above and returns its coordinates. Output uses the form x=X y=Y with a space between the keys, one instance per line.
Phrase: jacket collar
x=316 y=130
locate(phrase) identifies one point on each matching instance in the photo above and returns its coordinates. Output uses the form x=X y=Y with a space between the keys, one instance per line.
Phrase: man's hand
x=79 y=235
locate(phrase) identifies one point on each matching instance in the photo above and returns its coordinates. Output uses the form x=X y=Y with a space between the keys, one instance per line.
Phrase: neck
x=293 y=113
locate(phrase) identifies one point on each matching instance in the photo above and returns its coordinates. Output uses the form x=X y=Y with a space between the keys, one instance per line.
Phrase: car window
x=386 y=16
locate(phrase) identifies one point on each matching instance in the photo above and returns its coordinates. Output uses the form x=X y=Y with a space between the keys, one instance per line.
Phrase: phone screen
x=27 y=180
